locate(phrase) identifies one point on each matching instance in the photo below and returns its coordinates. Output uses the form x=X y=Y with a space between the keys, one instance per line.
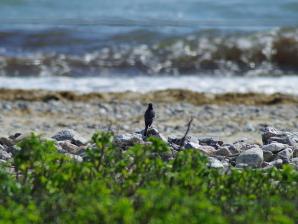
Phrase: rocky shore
x=277 y=148
x=230 y=129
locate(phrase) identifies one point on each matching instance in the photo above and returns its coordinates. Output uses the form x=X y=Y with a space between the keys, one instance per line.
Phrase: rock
x=69 y=147
x=208 y=150
x=192 y=145
x=154 y=133
x=5 y=155
x=268 y=156
x=285 y=155
x=274 y=147
x=126 y=140
x=14 y=136
x=270 y=135
x=231 y=148
x=71 y=135
x=241 y=165
x=243 y=145
x=210 y=142
x=252 y=157
x=277 y=163
x=177 y=141
x=75 y=157
x=214 y=163
x=295 y=153
x=294 y=162
x=6 y=142
x=267 y=133
x=21 y=137
x=223 y=151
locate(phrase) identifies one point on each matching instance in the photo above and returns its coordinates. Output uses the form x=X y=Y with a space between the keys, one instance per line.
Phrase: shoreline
x=159 y=96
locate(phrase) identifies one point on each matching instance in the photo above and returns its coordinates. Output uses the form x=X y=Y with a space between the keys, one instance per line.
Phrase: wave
x=64 y=53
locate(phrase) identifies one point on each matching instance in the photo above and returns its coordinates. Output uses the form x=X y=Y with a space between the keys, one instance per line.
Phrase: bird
x=148 y=117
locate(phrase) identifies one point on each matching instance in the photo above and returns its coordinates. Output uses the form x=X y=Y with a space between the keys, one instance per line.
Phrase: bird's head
x=150 y=106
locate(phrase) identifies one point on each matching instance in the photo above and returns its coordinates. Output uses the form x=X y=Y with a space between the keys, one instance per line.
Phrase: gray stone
x=294 y=163
x=192 y=145
x=270 y=135
x=6 y=142
x=21 y=137
x=295 y=153
x=285 y=155
x=277 y=163
x=210 y=142
x=5 y=155
x=126 y=140
x=69 y=147
x=241 y=165
x=73 y=136
x=231 y=148
x=267 y=133
x=75 y=157
x=243 y=145
x=206 y=149
x=268 y=156
x=214 y=163
x=153 y=132
x=252 y=157
x=223 y=151
x=274 y=147
x=177 y=141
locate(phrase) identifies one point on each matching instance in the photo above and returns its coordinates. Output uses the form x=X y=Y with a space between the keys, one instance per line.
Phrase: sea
x=214 y=46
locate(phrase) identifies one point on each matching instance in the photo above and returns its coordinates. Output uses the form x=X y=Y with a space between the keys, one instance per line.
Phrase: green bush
x=139 y=185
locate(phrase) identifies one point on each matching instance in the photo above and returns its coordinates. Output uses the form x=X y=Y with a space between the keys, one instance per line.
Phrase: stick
x=182 y=141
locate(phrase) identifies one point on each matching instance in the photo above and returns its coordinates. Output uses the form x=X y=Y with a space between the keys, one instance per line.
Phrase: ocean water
x=165 y=41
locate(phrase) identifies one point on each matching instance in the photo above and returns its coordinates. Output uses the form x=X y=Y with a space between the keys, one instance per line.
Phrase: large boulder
x=252 y=157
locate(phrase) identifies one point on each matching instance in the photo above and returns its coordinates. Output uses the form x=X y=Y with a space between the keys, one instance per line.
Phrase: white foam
x=285 y=84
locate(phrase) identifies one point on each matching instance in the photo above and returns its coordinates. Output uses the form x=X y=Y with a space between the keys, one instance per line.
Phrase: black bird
x=148 y=117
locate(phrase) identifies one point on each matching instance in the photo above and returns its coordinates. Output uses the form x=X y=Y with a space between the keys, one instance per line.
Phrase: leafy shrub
x=139 y=185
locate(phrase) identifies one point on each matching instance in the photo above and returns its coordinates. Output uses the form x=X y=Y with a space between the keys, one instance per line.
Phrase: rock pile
x=278 y=147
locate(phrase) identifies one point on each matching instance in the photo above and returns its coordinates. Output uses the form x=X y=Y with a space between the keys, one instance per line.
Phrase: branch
x=182 y=141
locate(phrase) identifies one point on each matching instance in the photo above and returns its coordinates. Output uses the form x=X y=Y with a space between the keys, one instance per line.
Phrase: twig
x=182 y=141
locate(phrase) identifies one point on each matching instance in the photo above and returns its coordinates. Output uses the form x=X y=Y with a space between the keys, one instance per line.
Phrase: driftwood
x=182 y=141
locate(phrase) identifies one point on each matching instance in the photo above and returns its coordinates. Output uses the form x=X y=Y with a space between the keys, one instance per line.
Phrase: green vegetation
x=139 y=185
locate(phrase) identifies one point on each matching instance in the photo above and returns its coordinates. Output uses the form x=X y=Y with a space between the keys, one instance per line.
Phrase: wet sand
x=226 y=116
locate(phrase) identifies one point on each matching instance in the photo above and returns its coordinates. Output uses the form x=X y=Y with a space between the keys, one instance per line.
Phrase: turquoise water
x=153 y=38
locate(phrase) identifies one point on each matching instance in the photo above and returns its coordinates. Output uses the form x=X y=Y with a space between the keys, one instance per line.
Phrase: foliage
x=139 y=185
